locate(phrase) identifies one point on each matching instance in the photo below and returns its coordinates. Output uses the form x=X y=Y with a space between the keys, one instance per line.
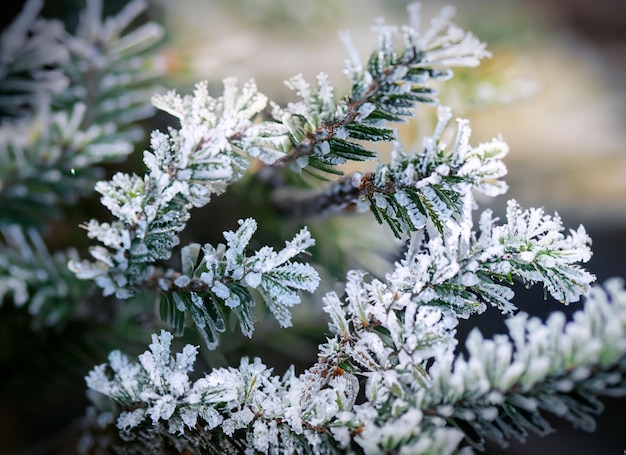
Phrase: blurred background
x=555 y=89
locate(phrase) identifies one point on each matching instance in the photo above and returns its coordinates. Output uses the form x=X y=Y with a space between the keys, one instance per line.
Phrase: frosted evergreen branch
x=113 y=67
x=507 y=384
x=466 y=270
x=32 y=55
x=185 y=168
x=225 y=124
x=50 y=157
x=221 y=281
x=32 y=276
x=498 y=392
x=48 y=161
x=324 y=131
x=531 y=245
x=229 y=410
x=435 y=186
x=430 y=187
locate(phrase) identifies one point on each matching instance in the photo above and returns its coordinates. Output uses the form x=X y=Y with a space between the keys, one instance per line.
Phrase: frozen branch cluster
x=188 y=165
x=32 y=276
x=49 y=154
x=387 y=378
x=325 y=130
x=185 y=168
x=434 y=187
x=506 y=385
x=222 y=279
x=503 y=389
x=465 y=271
x=68 y=103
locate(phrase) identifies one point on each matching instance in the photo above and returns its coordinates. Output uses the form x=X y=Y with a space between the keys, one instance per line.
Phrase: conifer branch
x=103 y=78
x=323 y=130
x=497 y=393
x=32 y=57
x=387 y=378
x=222 y=279
x=506 y=385
x=32 y=276
x=185 y=168
x=430 y=187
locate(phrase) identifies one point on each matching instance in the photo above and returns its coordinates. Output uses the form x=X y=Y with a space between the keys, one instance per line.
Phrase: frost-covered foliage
x=223 y=126
x=31 y=57
x=432 y=187
x=185 y=168
x=504 y=388
x=222 y=279
x=464 y=271
x=325 y=130
x=208 y=152
x=68 y=103
x=114 y=67
x=100 y=82
x=32 y=276
x=387 y=379
x=507 y=384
